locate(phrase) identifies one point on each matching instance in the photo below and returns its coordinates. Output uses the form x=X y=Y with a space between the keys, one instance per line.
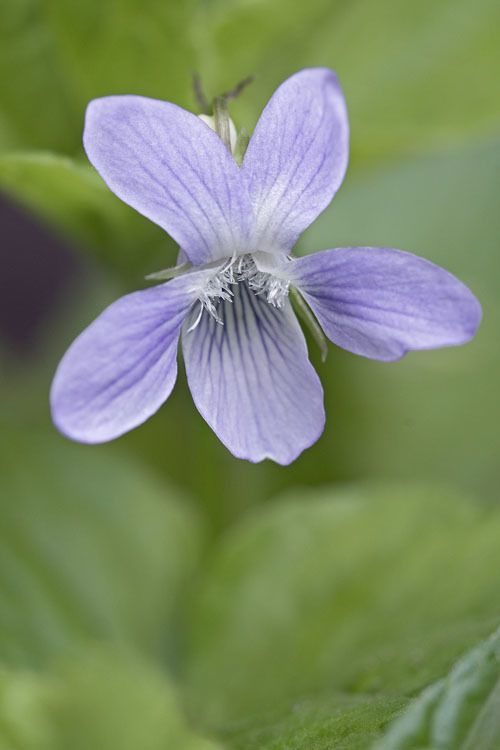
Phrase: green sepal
x=169 y=273
x=241 y=146
x=310 y=321
x=221 y=116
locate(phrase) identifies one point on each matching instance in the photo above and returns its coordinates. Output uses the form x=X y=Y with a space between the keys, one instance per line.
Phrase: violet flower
x=245 y=354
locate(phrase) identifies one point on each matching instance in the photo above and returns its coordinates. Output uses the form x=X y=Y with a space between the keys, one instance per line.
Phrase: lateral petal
x=380 y=303
x=251 y=379
x=170 y=166
x=297 y=157
x=121 y=369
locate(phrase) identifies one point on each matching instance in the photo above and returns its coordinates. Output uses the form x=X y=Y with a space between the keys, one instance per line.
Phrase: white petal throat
x=237 y=270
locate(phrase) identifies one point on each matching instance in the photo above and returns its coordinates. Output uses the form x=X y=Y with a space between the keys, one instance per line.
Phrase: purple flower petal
x=121 y=369
x=169 y=165
x=297 y=157
x=251 y=379
x=380 y=303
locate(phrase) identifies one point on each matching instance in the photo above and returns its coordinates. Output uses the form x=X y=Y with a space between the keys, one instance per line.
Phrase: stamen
x=240 y=269
x=274 y=288
x=192 y=327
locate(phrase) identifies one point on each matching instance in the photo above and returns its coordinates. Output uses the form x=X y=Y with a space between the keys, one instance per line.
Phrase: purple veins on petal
x=121 y=369
x=251 y=379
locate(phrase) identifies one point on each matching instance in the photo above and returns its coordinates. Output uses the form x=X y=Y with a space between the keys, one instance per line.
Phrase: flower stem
x=239 y=87
x=199 y=94
x=221 y=116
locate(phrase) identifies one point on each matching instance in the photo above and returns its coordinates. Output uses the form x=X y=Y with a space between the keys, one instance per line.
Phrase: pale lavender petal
x=297 y=157
x=251 y=379
x=121 y=369
x=169 y=165
x=380 y=303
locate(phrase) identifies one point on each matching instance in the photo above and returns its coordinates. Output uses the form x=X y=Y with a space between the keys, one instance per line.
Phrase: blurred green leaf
x=91 y=546
x=118 y=702
x=24 y=724
x=126 y=47
x=98 y=698
x=56 y=56
x=361 y=591
x=458 y=713
x=37 y=107
x=73 y=197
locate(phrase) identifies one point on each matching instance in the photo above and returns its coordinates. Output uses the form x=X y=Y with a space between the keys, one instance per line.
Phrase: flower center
x=241 y=269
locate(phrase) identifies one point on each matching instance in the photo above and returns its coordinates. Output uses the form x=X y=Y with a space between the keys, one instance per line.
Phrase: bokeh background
x=155 y=591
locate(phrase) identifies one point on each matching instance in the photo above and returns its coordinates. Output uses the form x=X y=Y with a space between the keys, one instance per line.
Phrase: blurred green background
x=156 y=592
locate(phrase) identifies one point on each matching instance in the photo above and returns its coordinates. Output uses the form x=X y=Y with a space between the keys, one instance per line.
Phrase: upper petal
x=251 y=379
x=169 y=165
x=120 y=370
x=380 y=303
x=297 y=157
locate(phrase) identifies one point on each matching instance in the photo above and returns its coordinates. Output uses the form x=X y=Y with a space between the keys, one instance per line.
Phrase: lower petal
x=121 y=369
x=380 y=303
x=251 y=379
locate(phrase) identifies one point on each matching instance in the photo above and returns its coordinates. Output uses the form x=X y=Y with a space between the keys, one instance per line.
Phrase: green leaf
x=358 y=591
x=91 y=546
x=56 y=56
x=73 y=197
x=98 y=698
x=24 y=724
x=126 y=47
x=458 y=713
x=37 y=108
x=118 y=702
x=340 y=721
